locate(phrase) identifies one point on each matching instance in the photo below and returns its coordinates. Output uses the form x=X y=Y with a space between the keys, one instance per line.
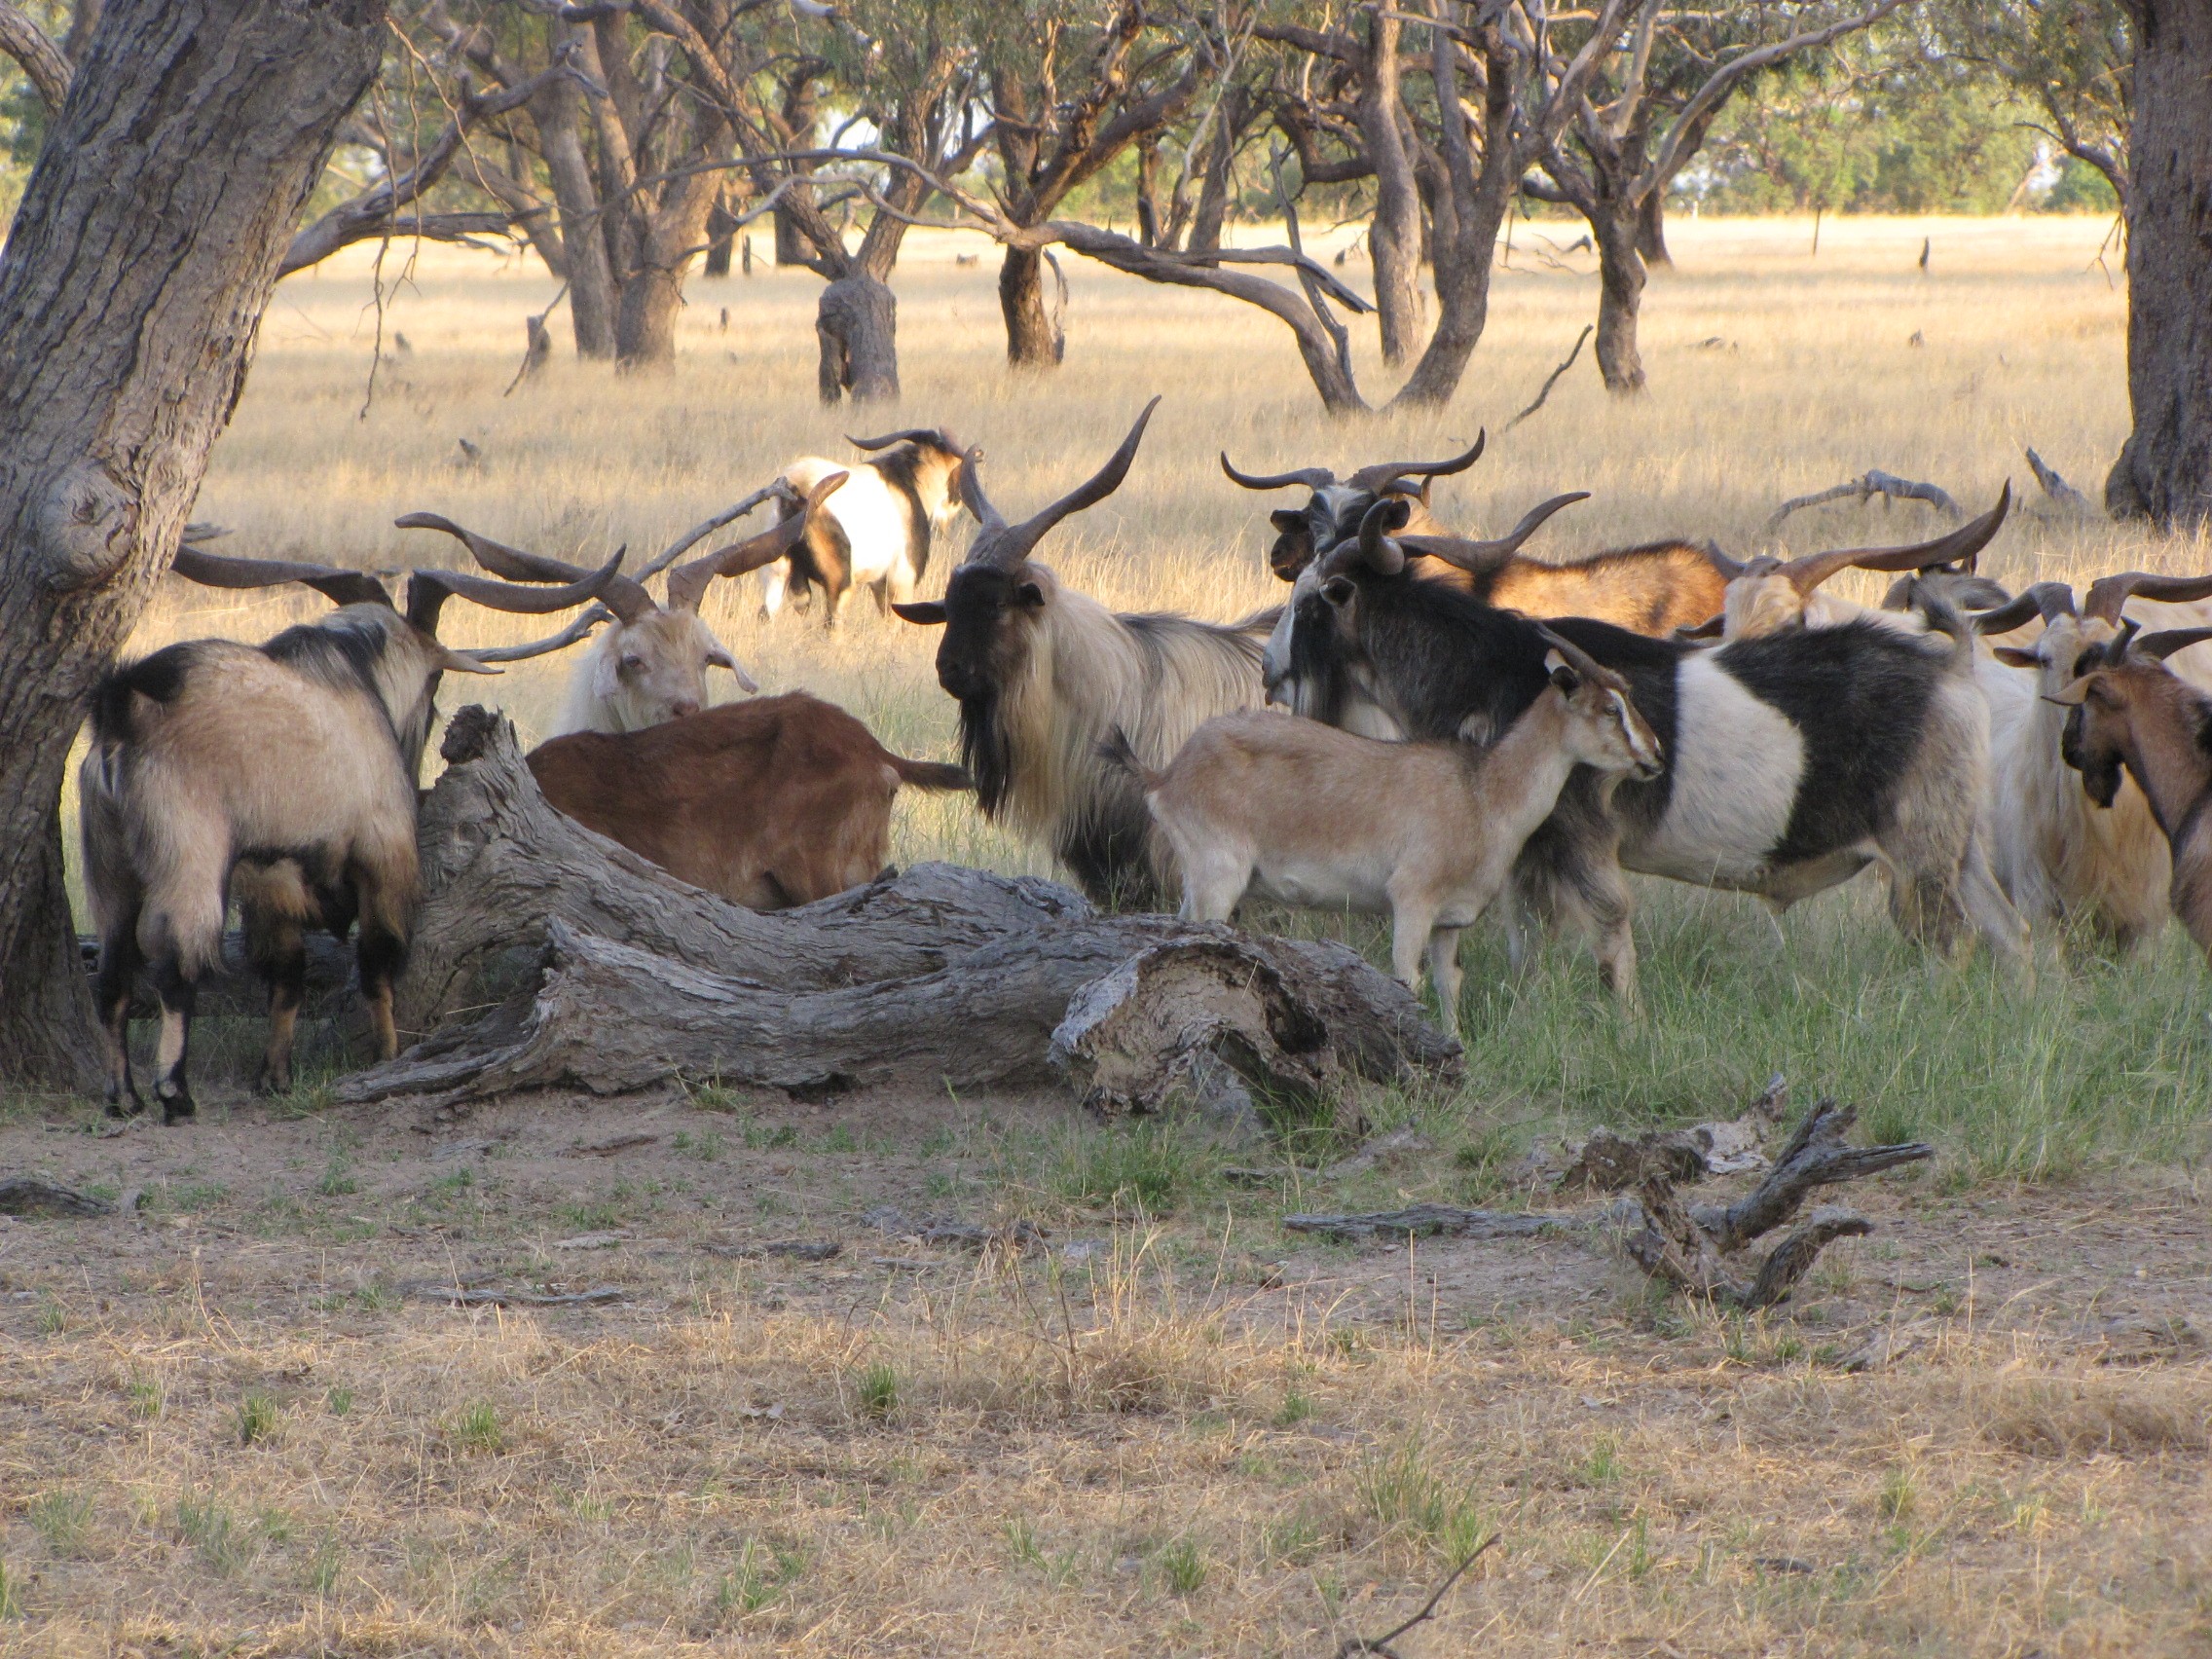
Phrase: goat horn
x=2165 y=644
x=1381 y=475
x=567 y=635
x=936 y=437
x=1581 y=660
x=1374 y=548
x=340 y=587
x=989 y=519
x=1479 y=556
x=2109 y=593
x=626 y=598
x=1306 y=477
x=687 y=584
x=1960 y=547
x=2047 y=600
x=1719 y=561
x=428 y=590
x=1007 y=546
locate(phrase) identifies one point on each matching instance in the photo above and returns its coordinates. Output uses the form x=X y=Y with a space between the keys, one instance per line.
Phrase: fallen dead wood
x=2057 y=489
x=1380 y=1645
x=601 y=971
x=28 y=1196
x=1609 y=1162
x=1421 y=1219
x=1865 y=486
x=781 y=1249
x=1551 y=380
x=506 y=1296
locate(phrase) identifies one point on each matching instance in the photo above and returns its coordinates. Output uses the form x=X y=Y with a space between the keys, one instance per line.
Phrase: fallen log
x=603 y=972
x=1420 y=1219
x=1868 y=485
x=28 y=1196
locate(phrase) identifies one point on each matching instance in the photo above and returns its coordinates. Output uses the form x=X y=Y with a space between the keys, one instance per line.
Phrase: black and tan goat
x=2133 y=712
x=291 y=766
x=1793 y=761
x=1427 y=832
x=878 y=534
x=1652 y=589
x=650 y=663
x=1043 y=673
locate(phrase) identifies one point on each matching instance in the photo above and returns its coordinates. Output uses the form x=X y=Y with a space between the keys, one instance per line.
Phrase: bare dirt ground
x=248 y=1417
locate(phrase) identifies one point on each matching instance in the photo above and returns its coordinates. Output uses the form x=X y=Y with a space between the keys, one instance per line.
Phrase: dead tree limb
x=28 y=1196
x=1553 y=379
x=39 y=57
x=1424 y=1219
x=1865 y=486
x=1381 y=1644
x=2057 y=489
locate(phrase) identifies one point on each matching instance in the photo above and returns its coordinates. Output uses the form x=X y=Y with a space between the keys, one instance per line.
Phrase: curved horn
x=1960 y=546
x=687 y=584
x=1306 y=477
x=428 y=590
x=1382 y=474
x=340 y=587
x=989 y=519
x=934 y=436
x=2166 y=641
x=1374 y=548
x=1487 y=555
x=2047 y=600
x=626 y=598
x=1007 y=545
x=567 y=635
x=1729 y=569
x=2108 y=594
x=1581 y=660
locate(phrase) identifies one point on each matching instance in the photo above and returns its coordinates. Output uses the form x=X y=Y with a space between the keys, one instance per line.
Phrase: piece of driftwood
x=895 y=1223
x=28 y=1196
x=1423 y=1219
x=506 y=1296
x=781 y=1249
x=590 y=968
x=1691 y=1249
x=1868 y=485
x=2057 y=489
x=1609 y=1162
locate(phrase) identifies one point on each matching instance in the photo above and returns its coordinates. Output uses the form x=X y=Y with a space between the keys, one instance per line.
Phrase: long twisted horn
x=428 y=590
x=1382 y=474
x=2166 y=641
x=340 y=587
x=2047 y=600
x=567 y=635
x=936 y=436
x=627 y=597
x=2108 y=594
x=687 y=584
x=1007 y=545
x=1959 y=547
x=1308 y=477
x=1481 y=556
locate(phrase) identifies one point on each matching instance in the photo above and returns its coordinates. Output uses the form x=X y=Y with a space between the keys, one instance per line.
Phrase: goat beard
x=984 y=750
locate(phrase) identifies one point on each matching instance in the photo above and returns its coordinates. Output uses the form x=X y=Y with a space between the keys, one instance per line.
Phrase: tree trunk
x=583 y=243
x=1393 y=237
x=857 y=326
x=1229 y=124
x=721 y=239
x=652 y=294
x=1651 y=232
x=793 y=247
x=134 y=278
x=1620 y=297
x=1032 y=341
x=2164 y=471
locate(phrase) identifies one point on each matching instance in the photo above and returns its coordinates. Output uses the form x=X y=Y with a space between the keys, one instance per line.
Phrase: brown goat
x=2135 y=712
x=774 y=803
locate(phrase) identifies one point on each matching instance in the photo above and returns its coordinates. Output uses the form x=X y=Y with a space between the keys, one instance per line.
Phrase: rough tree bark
x=1032 y=341
x=557 y=111
x=2164 y=470
x=857 y=323
x=628 y=978
x=134 y=278
x=1393 y=235
x=1620 y=299
x=1651 y=232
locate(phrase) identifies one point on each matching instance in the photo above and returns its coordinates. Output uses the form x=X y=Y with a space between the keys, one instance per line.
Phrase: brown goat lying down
x=773 y=802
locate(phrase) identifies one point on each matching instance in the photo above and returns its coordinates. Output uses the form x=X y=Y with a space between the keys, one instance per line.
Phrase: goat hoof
x=176 y=1108
x=121 y=1106
x=272 y=1083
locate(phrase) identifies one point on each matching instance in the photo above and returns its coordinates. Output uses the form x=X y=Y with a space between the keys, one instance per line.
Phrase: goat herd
x=1680 y=714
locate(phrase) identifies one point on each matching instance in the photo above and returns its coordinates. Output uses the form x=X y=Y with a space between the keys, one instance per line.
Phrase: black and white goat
x=878 y=534
x=1043 y=674
x=1652 y=589
x=650 y=663
x=1793 y=761
x=292 y=766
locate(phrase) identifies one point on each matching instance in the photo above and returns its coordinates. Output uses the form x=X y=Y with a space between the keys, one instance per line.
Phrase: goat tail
x=1943 y=617
x=930 y=774
x=1118 y=752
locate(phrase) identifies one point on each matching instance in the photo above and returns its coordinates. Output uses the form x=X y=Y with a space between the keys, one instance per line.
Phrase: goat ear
x=2075 y=695
x=1030 y=595
x=717 y=656
x=1562 y=674
x=924 y=613
x=460 y=662
x=1338 y=591
x=1286 y=520
x=2014 y=657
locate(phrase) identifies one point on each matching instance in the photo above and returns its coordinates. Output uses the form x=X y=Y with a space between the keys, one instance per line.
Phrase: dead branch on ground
x=1381 y=1644
x=1553 y=379
x=2056 y=488
x=1869 y=484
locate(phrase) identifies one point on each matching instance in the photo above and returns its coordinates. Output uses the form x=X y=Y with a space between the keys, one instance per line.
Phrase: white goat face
x=1283 y=688
x=655 y=669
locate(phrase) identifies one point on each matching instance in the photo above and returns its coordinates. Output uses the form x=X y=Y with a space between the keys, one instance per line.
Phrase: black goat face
x=2087 y=750
x=985 y=615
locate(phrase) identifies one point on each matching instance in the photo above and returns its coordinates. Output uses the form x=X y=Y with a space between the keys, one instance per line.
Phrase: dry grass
x=226 y=1432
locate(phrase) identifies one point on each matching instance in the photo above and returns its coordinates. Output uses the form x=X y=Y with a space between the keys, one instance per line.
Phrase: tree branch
x=41 y=60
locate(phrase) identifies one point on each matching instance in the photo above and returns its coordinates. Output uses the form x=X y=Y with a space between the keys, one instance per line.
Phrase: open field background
x=234 y=1428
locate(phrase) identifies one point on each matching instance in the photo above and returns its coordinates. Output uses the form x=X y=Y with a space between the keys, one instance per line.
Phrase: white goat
x=1263 y=802
x=878 y=534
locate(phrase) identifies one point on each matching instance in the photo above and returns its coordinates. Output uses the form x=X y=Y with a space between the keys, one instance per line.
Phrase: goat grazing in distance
x=2131 y=710
x=1652 y=589
x=1043 y=673
x=294 y=766
x=879 y=533
x=651 y=664
x=1427 y=833
x=773 y=802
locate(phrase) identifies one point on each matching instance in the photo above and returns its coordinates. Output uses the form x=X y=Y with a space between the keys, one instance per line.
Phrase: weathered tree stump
x=601 y=971
x=855 y=323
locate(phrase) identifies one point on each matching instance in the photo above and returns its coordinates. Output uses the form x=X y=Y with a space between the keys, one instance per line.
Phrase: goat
x=1652 y=589
x=1043 y=673
x=1793 y=761
x=2131 y=710
x=770 y=803
x=651 y=665
x=1765 y=595
x=292 y=765
x=1427 y=831
x=878 y=534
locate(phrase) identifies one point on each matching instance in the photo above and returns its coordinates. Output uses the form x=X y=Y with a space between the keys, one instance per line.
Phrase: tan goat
x=1311 y=816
